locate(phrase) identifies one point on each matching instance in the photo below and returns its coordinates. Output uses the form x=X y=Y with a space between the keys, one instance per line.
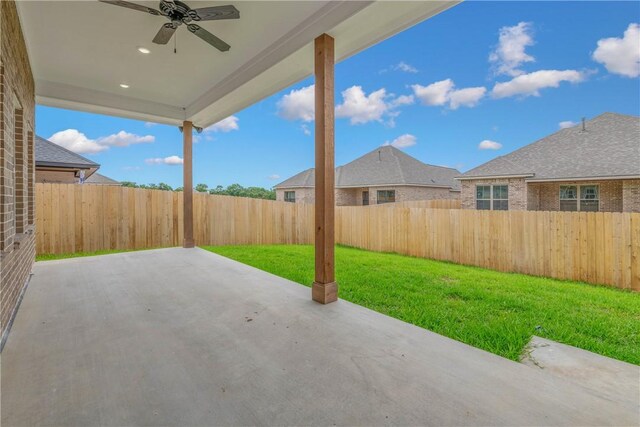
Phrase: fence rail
x=432 y=204
x=593 y=247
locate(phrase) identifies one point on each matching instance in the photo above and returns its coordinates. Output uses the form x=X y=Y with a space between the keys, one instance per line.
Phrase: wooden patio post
x=324 y=289
x=187 y=207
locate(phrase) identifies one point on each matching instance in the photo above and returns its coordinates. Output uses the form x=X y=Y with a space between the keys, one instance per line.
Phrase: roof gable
x=385 y=165
x=609 y=146
x=97 y=178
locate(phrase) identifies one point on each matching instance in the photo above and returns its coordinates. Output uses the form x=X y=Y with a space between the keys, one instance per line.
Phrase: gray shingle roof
x=385 y=165
x=96 y=178
x=610 y=146
x=49 y=154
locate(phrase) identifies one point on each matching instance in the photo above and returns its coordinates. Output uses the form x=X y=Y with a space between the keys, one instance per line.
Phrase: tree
x=238 y=190
x=202 y=188
x=129 y=184
x=165 y=187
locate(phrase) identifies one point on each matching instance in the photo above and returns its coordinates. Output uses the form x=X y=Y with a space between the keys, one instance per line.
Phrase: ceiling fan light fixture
x=143 y=50
x=124 y=86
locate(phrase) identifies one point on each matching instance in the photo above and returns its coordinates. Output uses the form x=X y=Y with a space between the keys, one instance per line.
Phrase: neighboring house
x=55 y=164
x=99 y=179
x=384 y=175
x=594 y=166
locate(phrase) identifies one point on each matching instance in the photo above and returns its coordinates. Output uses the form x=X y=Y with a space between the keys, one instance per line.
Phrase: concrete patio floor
x=186 y=337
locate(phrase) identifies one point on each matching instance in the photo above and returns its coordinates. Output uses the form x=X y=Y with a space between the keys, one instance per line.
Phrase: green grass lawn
x=498 y=312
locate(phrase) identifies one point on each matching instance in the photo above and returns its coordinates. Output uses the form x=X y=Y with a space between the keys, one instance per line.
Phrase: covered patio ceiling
x=81 y=51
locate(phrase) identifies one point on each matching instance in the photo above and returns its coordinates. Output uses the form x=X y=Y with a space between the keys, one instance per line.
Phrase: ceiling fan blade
x=133 y=6
x=208 y=37
x=216 y=12
x=165 y=33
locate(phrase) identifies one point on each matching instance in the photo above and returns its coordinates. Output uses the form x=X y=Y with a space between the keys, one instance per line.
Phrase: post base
x=324 y=293
x=188 y=244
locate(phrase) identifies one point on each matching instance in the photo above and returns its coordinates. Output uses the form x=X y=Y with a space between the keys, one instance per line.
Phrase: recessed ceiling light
x=124 y=86
x=144 y=50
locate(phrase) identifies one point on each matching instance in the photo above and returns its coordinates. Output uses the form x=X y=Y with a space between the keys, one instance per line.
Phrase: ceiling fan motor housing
x=178 y=12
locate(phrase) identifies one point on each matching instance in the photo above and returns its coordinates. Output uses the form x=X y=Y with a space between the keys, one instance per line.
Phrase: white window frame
x=491 y=199
x=578 y=198
x=288 y=192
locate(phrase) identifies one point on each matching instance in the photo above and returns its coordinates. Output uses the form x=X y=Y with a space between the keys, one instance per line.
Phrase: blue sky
x=431 y=90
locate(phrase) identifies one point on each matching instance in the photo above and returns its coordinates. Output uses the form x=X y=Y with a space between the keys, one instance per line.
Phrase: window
x=386 y=196
x=365 y=198
x=290 y=196
x=500 y=198
x=589 y=200
x=568 y=198
x=483 y=197
x=492 y=197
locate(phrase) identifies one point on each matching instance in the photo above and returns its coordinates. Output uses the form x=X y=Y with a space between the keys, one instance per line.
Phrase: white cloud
x=305 y=129
x=489 y=145
x=298 y=105
x=360 y=108
x=131 y=168
x=621 y=55
x=124 y=139
x=224 y=125
x=76 y=141
x=530 y=84
x=273 y=177
x=400 y=66
x=468 y=97
x=149 y=124
x=434 y=94
x=444 y=92
x=567 y=124
x=403 y=66
x=402 y=100
x=403 y=141
x=356 y=106
x=171 y=160
x=510 y=52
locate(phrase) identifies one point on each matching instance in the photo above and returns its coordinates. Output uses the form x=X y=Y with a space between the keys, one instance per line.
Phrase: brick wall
x=518 y=197
x=17 y=103
x=303 y=195
x=631 y=195
x=547 y=195
x=353 y=196
x=615 y=195
x=57 y=176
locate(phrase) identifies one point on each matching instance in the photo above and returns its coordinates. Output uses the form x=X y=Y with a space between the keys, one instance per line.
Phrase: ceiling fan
x=179 y=13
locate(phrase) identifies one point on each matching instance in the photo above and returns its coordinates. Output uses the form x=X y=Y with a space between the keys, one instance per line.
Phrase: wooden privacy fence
x=86 y=218
x=593 y=247
x=433 y=204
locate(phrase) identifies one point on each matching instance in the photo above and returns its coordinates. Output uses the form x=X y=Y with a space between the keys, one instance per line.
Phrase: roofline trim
x=393 y=185
x=585 y=178
x=63 y=165
x=370 y=186
x=467 y=178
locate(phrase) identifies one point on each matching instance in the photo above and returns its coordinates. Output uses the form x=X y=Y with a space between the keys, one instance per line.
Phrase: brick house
x=56 y=164
x=383 y=175
x=17 y=174
x=594 y=166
